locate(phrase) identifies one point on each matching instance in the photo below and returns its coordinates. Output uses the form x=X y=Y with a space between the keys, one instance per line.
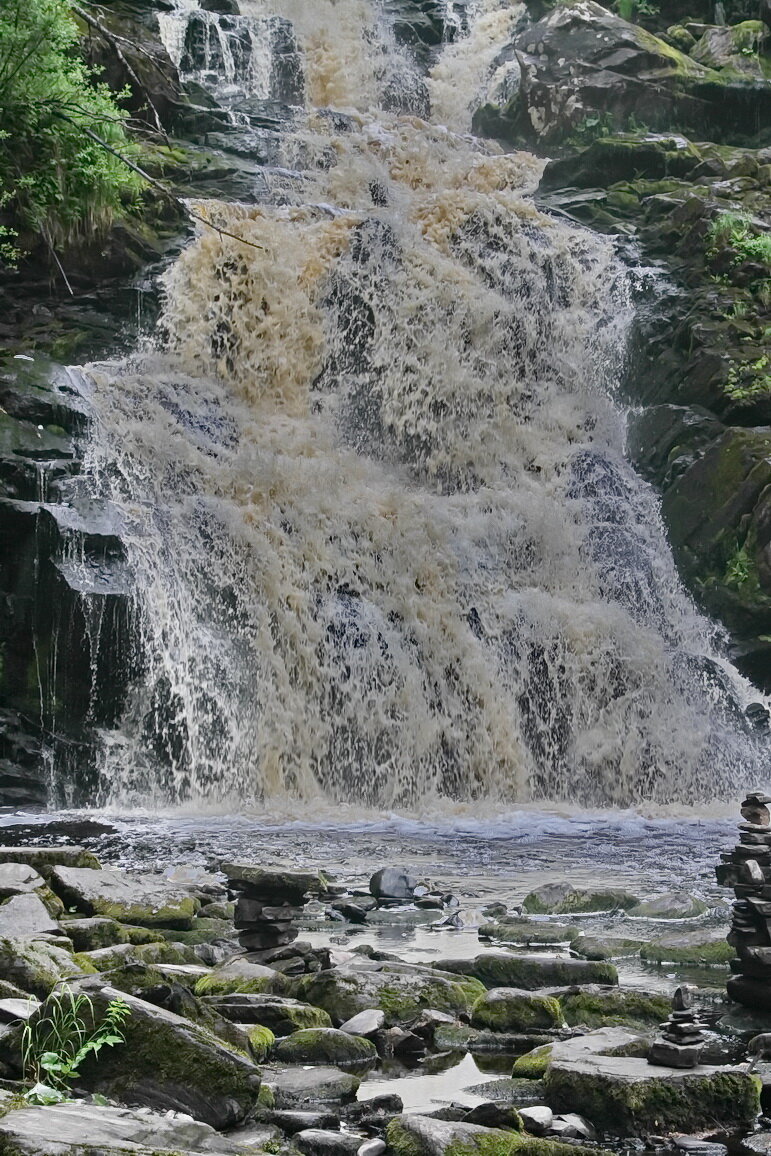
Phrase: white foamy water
x=386 y=550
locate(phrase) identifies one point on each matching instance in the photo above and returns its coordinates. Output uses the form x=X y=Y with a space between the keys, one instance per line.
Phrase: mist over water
x=385 y=548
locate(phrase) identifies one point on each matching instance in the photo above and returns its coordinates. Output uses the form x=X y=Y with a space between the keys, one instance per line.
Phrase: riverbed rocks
x=326 y=1046
x=562 y=898
x=400 y=993
x=506 y=1009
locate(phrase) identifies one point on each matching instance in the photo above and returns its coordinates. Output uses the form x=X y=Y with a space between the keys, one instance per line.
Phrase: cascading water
x=384 y=545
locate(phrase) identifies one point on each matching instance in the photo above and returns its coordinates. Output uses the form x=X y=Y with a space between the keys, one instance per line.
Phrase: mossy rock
x=564 y=899
x=401 y=995
x=45 y=859
x=671 y=905
x=597 y=1009
x=626 y=1096
x=136 y=899
x=170 y=1063
x=96 y=932
x=261 y=1041
x=166 y=951
x=504 y=1009
x=533 y=1064
x=692 y=947
x=527 y=932
x=325 y=1046
x=413 y=1135
x=530 y=972
x=35 y=966
x=597 y=948
x=239 y=975
x=202 y=930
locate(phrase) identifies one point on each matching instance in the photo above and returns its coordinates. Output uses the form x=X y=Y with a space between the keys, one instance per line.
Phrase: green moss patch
x=509 y=1010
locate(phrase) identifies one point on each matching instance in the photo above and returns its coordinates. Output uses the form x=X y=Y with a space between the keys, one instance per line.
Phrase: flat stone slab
x=14 y=1010
x=26 y=915
x=286 y=886
x=18 y=878
x=295 y=1086
x=625 y=1095
x=143 y=900
x=528 y=971
x=60 y=1130
x=44 y=859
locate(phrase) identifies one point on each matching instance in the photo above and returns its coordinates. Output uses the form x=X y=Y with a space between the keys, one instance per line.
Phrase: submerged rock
x=671 y=905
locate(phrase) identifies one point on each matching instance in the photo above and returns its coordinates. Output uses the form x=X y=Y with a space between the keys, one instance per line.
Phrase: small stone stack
x=682 y=1040
x=267 y=905
x=748 y=870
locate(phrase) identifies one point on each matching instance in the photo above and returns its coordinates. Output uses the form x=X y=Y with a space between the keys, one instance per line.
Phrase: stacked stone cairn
x=267 y=905
x=682 y=1040
x=748 y=870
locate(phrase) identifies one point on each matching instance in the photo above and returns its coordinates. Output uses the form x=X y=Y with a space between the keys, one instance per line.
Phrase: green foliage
x=55 y=180
x=737 y=231
x=749 y=382
x=56 y=1044
x=631 y=10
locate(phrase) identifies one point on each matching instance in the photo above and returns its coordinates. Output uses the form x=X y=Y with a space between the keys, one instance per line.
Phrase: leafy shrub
x=55 y=180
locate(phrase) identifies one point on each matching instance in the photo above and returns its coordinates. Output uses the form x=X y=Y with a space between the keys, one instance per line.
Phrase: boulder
x=62 y=1129
x=624 y=1094
x=296 y=1087
x=427 y=1136
x=282 y=1015
x=537 y=1120
x=527 y=932
x=238 y=975
x=95 y=932
x=322 y=1142
x=671 y=905
x=26 y=915
x=44 y=859
x=707 y=946
x=565 y=899
x=499 y=969
x=325 y=1046
x=366 y=1023
x=18 y=879
x=401 y=994
x=393 y=883
x=734 y=49
x=35 y=966
x=137 y=899
x=596 y=1007
x=168 y=1063
x=508 y=1009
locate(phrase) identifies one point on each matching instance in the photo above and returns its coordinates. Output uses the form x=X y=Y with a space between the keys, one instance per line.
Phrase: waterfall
x=384 y=545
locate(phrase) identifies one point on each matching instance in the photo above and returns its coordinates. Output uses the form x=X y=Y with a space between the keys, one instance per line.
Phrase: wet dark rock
x=291 y=1122
x=319 y=1142
x=392 y=883
x=498 y=969
x=493 y=1114
x=325 y=1046
x=295 y=1087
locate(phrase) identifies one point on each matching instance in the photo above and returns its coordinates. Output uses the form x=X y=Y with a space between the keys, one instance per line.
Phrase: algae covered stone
x=696 y=947
x=35 y=966
x=526 y=931
x=565 y=899
x=599 y=1007
x=401 y=995
x=671 y=905
x=296 y=1087
x=533 y=1064
x=507 y=1009
x=238 y=975
x=136 y=899
x=169 y=1063
x=416 y=1135
x=261 y=1041
x=325 y=1046
x=625 y=1095
x=281 y=1014
x=530 y=972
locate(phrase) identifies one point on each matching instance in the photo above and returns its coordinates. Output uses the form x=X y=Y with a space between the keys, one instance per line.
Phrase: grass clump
x=66 y=1032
